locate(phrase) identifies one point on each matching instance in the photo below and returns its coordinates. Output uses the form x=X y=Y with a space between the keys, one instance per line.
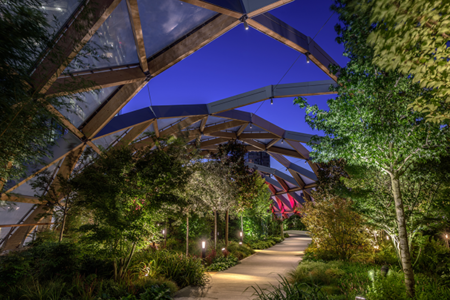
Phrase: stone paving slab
x=262 y=268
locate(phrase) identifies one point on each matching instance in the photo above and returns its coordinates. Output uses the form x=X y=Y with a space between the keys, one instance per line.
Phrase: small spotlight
x=307 y=58
x=282 y=141
x=240 y=243
x=164 y=231
x=251 y=125
x=387 y=237
x=246 y=25
x=446 y=236
x=271 y=101
x=223 y=249
x=240 y=233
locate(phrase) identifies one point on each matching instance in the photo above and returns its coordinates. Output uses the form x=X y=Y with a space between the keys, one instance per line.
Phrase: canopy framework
x=131 y=65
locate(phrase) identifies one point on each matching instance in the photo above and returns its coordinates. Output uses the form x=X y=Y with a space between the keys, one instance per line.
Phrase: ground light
x=203 y=249
x=240 y=237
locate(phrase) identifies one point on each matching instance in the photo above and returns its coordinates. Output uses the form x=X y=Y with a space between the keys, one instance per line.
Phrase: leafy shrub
x=287 y=291
x=266 y=242
x=286 y=235
x=183 y=270
x=239 y=251
x=223 y=263
x=392 y=287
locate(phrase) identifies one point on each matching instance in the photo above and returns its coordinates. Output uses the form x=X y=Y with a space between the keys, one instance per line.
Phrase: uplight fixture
x=446 y=236
x=307 y=58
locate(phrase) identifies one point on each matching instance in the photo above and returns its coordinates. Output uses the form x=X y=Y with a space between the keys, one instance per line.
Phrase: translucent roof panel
x=112 y=45
x=106 y=141
x=12 y=213
x=57 y=12
x=165 y=21
x=84 y=104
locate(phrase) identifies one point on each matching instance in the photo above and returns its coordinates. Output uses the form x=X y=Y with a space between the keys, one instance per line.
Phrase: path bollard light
x=203 y=249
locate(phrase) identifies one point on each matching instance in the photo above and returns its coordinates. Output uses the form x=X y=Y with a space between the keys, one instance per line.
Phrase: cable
x=297 y=58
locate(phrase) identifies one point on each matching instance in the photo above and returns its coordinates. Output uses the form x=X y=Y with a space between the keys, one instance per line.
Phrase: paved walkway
x=260 y=269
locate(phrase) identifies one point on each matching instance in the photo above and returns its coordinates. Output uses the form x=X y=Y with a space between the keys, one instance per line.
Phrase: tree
x=336 y=230
x=370 y=123
x=28 y=128
x=232 y=154
x=258 y=210
x=123 y=189
x=211 y=184
x=412 y=37
x=423 y=189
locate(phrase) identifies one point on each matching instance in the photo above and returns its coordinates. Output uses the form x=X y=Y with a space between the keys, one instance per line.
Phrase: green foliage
x=183 y=270
x=336 y=230
x=239 y=251
x=135 y=184
x=222 y=263
x=286 y=291
x=412 y=36
x=265 y=243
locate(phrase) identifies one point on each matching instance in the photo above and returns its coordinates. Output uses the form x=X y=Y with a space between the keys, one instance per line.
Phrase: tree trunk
x=403 y=237
x=226 y=228
x=242 y=226
x=215 y=229
x=281 y=227
x=187 y=235
x=63 y=223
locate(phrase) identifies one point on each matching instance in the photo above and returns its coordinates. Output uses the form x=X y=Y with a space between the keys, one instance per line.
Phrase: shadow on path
x=262 y=268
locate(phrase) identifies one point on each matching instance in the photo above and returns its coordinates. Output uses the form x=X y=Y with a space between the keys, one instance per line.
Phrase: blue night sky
x=242 y=60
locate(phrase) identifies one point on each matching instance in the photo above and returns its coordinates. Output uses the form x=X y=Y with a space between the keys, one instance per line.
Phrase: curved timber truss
x=154 y=48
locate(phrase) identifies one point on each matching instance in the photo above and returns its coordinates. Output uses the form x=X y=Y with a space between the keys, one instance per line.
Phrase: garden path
x=260 y=269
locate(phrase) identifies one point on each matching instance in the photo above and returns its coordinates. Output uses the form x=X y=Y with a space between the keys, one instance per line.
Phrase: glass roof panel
x=165 y=21
x=82 y=105
x=57 y=12
x=11 y=214
x=106 y=141
x=112 y=44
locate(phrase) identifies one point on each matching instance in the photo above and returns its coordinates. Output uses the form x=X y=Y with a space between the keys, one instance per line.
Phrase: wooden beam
x=25 y=225
x=20 y=198
x=42 y=169
x=272 y=142
x=297 y=178
x=155 y=127
x=133 y=11
x=15 y=240
x=241 y=130
x=289 y=36
x=283 y=151
x=213 y=7
x=222 y=126
x=180 y=50
x=203 y=124
x=181 y=125
x=299 y=148
x=269 y=7
x=173 y=130
x=69 y=42
x=282 y=183
x=201 y=37
x=111 y=108
x=230 y=135
x=305 y=188
x=67 y=85
x=258 y=145
x=258 y=135
x=213 y=142
x=133 y=133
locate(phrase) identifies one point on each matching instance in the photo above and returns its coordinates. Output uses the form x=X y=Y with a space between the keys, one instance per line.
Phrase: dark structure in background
x=259 y=158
